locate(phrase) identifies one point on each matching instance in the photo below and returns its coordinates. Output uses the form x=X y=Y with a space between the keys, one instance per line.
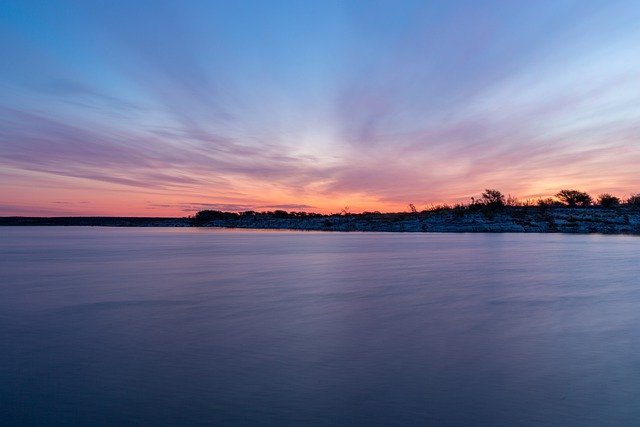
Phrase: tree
x=493 y=198
x=606 y=200
x=634 y=200
x=574 y=198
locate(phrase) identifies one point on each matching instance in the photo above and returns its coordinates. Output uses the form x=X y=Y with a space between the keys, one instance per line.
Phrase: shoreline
x=512 y=219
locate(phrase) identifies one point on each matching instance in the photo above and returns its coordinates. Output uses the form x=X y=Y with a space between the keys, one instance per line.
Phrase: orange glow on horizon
x=119 y=202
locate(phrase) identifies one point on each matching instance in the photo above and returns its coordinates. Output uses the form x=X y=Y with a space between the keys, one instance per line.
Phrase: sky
x=158 y=108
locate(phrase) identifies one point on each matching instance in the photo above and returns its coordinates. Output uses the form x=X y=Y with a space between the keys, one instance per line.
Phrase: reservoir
x=171 y=326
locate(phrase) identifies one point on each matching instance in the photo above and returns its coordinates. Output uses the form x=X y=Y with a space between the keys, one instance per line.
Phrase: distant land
x=621 y=219
x=572 y=211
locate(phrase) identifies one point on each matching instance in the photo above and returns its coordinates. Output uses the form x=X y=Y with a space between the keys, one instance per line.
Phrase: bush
x=548 y=202
x=513 y=201
x=574 y=198
x=492 y=197
x=608 y=201
x=634 y=200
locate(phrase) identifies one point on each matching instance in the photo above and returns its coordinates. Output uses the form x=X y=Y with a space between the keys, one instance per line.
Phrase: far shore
x=622 y=219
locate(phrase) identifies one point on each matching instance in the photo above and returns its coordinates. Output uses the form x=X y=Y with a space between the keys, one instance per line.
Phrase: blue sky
x=153 y=107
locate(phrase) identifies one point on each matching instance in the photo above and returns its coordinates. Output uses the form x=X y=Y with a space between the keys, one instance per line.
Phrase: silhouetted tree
x=634 y=200
x=413 y=208
x=492 y=197
x=608 y=201
x=574 y=198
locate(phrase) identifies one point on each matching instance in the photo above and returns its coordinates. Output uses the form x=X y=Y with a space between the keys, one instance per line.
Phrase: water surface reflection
x=107 y=326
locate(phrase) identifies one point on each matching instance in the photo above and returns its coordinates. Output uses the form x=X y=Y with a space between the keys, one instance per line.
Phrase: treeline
x=212 y=215
x=567 y=198
x=490 y=200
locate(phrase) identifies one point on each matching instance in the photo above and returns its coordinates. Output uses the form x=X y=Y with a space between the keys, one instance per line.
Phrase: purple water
x=106 y=326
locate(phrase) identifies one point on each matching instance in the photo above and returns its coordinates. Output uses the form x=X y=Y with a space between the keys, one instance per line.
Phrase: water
x=104 y=326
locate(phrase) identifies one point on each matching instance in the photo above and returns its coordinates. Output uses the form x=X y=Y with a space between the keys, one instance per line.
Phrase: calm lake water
x=107 y=326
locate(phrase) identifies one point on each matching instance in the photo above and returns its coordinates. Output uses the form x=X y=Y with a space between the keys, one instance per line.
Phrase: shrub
x=608 y=201
x=574 y=198
x=492 y=197
x=634 y=200
x=544 y=203
x=513 y=201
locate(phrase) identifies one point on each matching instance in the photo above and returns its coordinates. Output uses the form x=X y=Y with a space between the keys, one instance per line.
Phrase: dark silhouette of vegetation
x=548 y=202
x=573 y=198
x=512 y=201
x=211 y=215
x=493 y=198
x=492 y=202
x=606 y=200
x=569 y=212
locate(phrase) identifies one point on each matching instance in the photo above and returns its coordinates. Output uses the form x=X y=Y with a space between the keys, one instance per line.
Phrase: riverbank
x=512 y=219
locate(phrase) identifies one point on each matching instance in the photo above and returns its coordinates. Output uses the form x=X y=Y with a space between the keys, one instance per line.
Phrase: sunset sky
x=164 y=108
